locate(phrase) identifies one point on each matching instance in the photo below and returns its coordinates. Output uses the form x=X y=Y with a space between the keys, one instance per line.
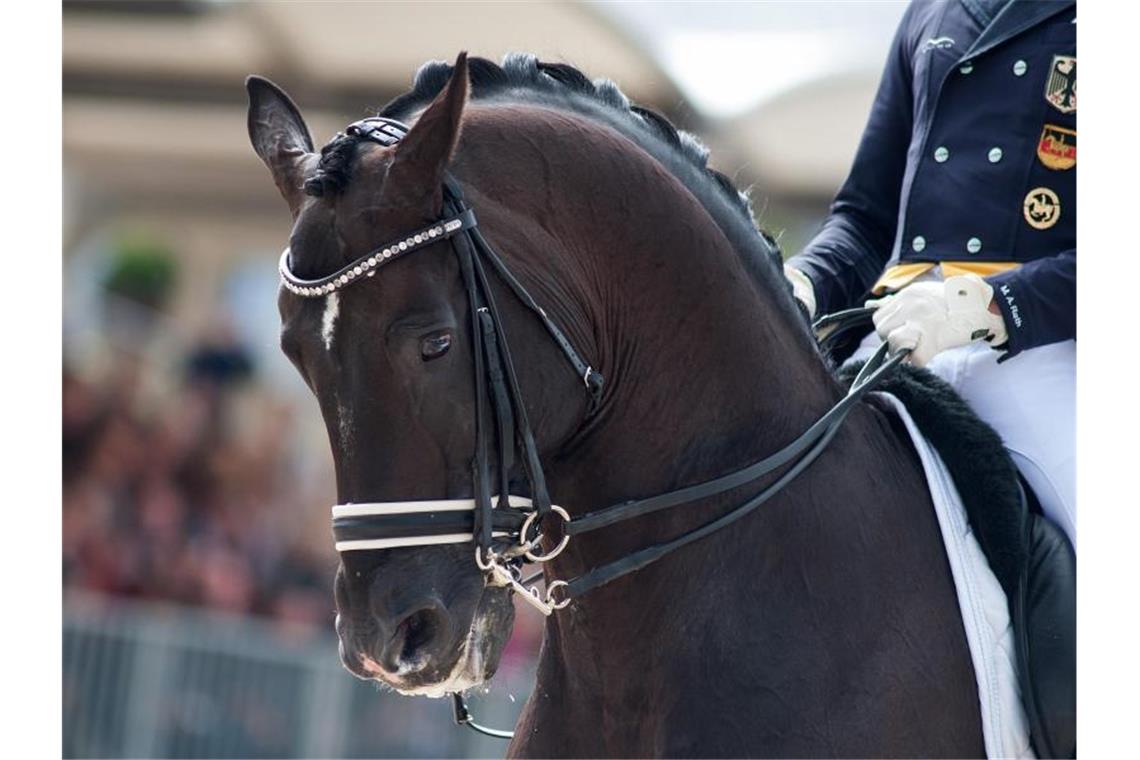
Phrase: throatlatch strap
x=593 y=380
x=591 y=377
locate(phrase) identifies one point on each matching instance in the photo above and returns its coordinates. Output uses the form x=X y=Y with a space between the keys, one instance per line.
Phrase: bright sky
x=730 y=57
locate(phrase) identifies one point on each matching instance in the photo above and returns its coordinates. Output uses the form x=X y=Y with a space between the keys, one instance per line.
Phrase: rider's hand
x=931 y=317
x=802 y=288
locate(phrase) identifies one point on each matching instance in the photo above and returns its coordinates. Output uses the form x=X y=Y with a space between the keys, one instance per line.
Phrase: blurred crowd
x=193 y=494
x=181 y=500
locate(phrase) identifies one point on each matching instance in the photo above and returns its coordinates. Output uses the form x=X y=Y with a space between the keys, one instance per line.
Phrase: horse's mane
x=524 y=78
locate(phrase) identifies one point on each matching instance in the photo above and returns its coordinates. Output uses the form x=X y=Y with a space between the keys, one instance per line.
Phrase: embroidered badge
x=937 y=43
x=1042 y=208
x=1057 y=147
x=1061 y=85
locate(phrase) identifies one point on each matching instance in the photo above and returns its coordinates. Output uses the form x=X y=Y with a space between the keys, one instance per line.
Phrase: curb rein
x=506 y=534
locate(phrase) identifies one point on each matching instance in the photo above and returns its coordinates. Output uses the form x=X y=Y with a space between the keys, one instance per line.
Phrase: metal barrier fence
x=150 y=680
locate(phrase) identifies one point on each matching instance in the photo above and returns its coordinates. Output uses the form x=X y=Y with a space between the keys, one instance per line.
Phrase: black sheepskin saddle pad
x=1031 y=558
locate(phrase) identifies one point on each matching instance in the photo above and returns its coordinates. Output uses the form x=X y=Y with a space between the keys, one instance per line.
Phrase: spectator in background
x=175 y=505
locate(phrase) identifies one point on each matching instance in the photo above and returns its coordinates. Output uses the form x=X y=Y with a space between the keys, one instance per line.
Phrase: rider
x=959 y=216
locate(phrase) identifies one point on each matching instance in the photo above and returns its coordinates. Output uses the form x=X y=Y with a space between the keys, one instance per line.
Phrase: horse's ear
x=423 y=154
x=280 y=137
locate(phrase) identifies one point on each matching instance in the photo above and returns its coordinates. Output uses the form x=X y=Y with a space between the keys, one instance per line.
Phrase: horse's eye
x=435 y=346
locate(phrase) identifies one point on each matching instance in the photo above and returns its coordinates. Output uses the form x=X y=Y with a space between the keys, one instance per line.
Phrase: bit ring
x=491 y=557
x=561 y=544
x=550 y=589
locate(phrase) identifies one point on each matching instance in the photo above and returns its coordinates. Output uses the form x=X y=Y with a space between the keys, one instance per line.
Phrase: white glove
x=931 y=317
x=802 y=288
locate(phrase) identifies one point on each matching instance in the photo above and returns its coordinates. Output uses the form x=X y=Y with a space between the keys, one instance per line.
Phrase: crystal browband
x=367 y=264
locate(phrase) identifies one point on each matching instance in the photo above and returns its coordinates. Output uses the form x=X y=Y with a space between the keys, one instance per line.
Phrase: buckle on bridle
x=378 y=129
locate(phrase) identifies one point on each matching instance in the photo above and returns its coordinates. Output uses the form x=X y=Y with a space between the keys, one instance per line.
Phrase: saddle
x=1030 y=557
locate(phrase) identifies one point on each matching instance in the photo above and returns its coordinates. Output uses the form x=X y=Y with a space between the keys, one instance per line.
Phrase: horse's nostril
x=419 y=629
x=418 y=636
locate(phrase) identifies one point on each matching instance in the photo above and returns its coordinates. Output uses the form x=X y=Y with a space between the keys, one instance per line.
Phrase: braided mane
x=523 y=78
x=523 y=75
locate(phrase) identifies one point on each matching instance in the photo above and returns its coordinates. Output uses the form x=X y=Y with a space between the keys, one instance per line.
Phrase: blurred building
x=154 y=104
x=154 y=107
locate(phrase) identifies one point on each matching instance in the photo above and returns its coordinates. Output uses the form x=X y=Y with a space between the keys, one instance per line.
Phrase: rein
x=506 y=534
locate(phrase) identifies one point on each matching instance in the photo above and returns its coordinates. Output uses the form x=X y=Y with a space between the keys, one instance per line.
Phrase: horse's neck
x=704 y=383
x=705 y=375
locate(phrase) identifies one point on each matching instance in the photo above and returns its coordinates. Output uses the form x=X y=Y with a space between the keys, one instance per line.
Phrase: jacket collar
x=1014 y=19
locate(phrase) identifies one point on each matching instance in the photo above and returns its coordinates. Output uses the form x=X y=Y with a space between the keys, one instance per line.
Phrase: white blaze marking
x=328 y=321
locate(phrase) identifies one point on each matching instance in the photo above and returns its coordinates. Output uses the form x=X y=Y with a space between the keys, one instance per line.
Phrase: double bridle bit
x=506 y=534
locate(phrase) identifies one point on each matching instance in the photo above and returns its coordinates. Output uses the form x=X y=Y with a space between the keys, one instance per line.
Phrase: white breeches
x=1031 y=401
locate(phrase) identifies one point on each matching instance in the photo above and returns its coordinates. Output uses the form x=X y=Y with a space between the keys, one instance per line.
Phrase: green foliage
x=143 y=271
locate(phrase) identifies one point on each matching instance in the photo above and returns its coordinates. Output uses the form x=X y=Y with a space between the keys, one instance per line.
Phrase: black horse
x=825 y=623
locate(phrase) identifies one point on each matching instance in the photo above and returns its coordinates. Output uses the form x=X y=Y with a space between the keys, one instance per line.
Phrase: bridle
x=507 y=534
x=504 y=534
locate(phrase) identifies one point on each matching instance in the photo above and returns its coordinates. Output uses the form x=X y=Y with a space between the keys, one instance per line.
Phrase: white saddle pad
x=982 y=601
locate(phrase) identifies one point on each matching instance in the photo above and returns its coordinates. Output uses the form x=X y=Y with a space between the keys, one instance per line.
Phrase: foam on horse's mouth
x=465 y=674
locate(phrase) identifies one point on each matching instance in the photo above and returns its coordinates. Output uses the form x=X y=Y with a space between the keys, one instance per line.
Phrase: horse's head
x=392 y=366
